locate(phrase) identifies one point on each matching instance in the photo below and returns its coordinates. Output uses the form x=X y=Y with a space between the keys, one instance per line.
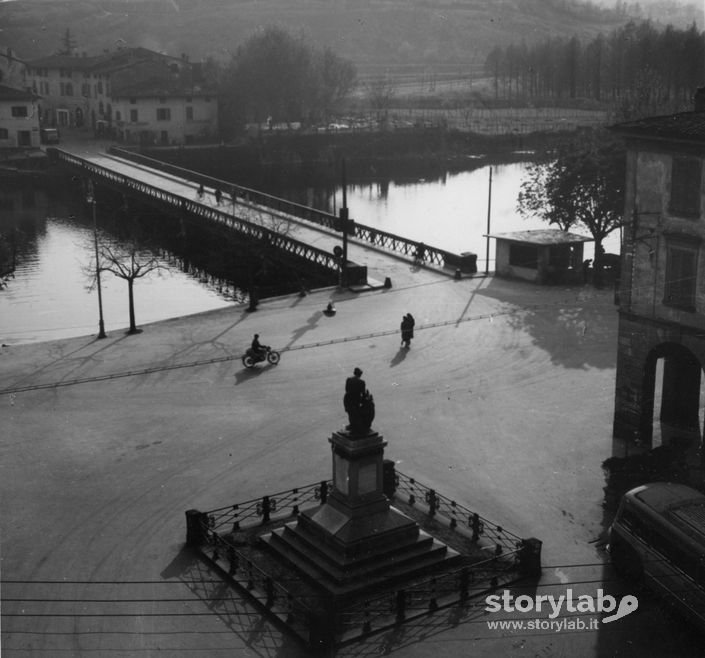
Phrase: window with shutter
x=681 y=276
x=686 y=178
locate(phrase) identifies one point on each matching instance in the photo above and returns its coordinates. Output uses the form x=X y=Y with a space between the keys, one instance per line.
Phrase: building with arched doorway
x=661 y=351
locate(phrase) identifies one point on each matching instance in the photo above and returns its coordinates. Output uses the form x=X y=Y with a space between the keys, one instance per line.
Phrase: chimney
x=700 y=99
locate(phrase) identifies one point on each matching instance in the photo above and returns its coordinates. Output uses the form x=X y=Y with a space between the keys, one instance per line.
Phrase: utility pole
x=489 y=215
x=344 y=225
x=91 y=199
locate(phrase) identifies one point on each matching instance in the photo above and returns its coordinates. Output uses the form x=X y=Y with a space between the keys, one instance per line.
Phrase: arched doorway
x=672 y=389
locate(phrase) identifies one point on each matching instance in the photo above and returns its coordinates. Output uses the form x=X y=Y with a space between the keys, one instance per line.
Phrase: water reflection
x=453 y=212
x=48 y=297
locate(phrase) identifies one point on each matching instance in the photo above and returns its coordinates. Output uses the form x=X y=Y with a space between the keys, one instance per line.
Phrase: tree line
x=278 y=77
x=637 y=68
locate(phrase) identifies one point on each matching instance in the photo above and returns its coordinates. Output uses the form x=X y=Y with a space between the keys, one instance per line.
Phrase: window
x=189 y=113
x=163 y=114
x=681 y=275
x=19 y=111
x=133 y=116
x=686 y=176
x=523 y=256
x=4 y=134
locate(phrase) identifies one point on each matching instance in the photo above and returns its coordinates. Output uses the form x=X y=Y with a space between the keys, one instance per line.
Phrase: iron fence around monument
x=229 y=538
x=456 y=515
x=272 y=507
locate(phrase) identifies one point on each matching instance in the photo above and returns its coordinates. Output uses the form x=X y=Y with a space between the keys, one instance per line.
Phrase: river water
x=49 y=296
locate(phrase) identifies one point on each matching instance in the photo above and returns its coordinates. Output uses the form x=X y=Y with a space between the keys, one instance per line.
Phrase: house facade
x=74 y=91
x=176 y=113
x=661 y=348
x=134 y=94
x=19 y=118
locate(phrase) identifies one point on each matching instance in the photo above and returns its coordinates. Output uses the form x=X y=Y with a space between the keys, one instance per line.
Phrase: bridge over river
x=372 y=255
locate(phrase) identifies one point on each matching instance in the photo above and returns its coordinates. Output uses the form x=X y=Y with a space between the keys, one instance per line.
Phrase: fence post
x=530 y=557
x=196 y=524
x=476 y=527
x=432 y=501
x=266 y=508
x=389 y=485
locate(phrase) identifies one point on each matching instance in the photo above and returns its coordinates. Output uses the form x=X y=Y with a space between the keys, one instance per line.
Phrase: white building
x=73 y=91
x=19 y=118
x=136 y=94
x=166 y=114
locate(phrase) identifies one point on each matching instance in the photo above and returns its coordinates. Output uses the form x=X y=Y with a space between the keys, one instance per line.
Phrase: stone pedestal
x=357 y=540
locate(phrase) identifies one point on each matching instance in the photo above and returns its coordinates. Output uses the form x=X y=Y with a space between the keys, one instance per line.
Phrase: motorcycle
x=250 y=358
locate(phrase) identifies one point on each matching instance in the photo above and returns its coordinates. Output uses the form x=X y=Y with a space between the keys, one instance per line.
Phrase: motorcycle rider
x=259 y=351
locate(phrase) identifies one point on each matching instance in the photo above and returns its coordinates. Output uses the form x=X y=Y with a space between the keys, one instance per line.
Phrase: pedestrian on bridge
x=420 y=254
x=218 y=195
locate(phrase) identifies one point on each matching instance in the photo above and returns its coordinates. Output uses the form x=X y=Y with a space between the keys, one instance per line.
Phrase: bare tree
x=128 y=265
x=129 y=259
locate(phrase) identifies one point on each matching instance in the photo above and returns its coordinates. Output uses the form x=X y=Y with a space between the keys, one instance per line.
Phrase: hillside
x=374 y=34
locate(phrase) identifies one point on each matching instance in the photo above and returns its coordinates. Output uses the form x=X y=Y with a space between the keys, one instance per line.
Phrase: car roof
x=681 y=505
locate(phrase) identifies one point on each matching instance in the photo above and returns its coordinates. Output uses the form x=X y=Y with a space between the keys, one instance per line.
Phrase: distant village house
x=132 y=94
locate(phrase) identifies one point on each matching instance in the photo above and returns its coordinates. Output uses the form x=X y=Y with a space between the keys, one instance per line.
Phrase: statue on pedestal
x=359 y=404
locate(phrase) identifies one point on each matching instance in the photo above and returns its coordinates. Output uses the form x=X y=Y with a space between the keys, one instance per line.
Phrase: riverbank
x=288 y=159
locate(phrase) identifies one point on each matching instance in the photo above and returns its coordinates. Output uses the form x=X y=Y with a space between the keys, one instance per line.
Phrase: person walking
x=420 y=254
x=407 y=330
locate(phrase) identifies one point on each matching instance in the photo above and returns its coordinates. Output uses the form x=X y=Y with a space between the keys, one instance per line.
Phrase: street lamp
x=344 y=225
x=91 y=199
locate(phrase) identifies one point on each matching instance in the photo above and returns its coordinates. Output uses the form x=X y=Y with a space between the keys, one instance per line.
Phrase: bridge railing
x=191 y=206
x=236 y=192
x=375 y=237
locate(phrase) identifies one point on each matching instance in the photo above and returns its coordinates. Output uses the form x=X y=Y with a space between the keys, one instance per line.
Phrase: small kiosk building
x=545 y=256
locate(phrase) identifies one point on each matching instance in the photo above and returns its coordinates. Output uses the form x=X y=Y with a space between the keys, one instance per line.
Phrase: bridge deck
x=380 y=262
